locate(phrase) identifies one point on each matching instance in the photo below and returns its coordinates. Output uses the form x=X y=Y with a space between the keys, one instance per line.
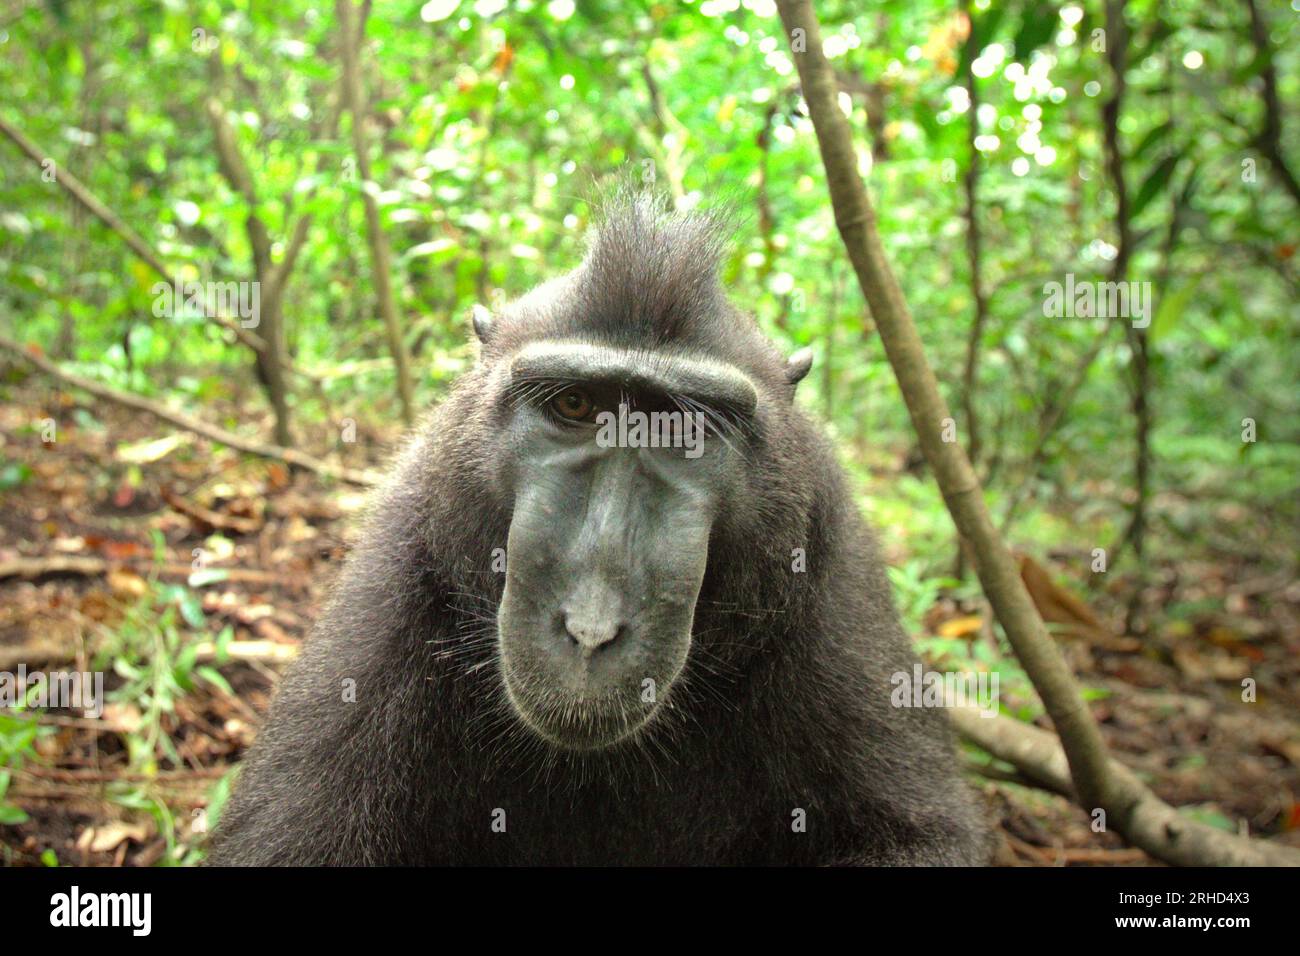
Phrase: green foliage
x=151 y=650
x=13 y=474
x=495 y=121
x=492 y=123
x=18 y=732
x=915 y=593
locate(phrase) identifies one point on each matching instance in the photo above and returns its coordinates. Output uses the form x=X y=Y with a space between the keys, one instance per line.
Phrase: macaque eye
x=573 y=404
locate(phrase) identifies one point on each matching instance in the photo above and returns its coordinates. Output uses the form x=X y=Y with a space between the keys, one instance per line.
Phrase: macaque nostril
x=591 y=635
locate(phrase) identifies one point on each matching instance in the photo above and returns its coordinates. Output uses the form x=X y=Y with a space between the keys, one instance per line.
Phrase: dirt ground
x=117 y=505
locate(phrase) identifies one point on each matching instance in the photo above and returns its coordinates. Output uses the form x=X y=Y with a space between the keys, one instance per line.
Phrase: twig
x=269 y=651
x=212 y=520
x=110 y=776
x=290 y=456
x=92 y=566
x=55 y=564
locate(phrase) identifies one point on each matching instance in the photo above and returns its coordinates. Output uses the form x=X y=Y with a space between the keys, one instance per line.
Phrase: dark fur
x=784 y=702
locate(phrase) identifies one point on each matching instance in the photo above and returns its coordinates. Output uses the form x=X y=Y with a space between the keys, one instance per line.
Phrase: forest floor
x=99 y=532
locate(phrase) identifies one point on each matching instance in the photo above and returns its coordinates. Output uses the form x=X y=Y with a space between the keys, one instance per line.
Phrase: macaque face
x=619 y=468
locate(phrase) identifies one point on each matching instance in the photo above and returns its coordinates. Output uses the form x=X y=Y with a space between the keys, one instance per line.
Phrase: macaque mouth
x=579 y=673
x=573 y=722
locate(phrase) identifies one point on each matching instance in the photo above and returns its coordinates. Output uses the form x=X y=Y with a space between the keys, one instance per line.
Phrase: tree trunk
x=380 y=257
x=974 y=250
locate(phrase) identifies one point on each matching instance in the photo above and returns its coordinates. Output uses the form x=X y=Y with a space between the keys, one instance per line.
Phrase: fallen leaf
x=145 y=452
x=277 y=475
x=110 y=836
x=961 y=626
x=94 y=605
x=1213 y=666
x=124 y=495
x=1289 y=750
x=1059 y=606
x=122 y=718
x=117 y=550
x=127 y=584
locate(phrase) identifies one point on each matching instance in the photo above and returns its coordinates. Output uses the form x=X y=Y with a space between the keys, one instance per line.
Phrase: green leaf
x=1155 y=135
x=1035 y=29
x=191 y=606
x=1156 y=180
x=14 y=474
x=213 y=676
x=1171 y=307
x=206 y=576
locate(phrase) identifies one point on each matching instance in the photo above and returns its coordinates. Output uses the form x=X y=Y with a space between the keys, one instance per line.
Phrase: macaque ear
x=798 y=365
x=481 y=317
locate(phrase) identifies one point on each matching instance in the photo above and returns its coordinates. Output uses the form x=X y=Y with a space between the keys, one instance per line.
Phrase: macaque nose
x=591 y=632
x=593 y=613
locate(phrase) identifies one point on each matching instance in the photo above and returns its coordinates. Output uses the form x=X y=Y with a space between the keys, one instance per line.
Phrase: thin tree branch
x=230 y=160
x=666 y=122
x=280 y=273
x=1052 y=418
x=350 y=27
x=289 y=456
x=1138 y=340
x=78 y=191
x=974 y=244
x=1269 y=138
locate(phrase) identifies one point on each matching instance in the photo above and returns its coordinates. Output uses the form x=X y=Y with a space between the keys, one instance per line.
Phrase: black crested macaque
x=560 y=642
